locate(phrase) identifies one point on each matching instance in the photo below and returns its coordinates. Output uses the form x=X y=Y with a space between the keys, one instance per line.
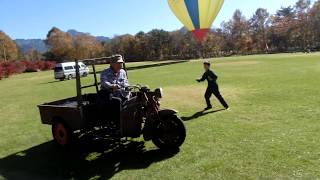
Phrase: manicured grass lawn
x=271 y=132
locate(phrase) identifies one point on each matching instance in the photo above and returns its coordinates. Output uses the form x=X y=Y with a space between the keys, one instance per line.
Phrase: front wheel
x=170 y=133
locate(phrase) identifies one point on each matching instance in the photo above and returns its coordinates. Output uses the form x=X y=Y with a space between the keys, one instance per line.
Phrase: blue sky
x=34 y=18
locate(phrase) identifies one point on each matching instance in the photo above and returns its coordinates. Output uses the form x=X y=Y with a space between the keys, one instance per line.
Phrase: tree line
x=291 y=29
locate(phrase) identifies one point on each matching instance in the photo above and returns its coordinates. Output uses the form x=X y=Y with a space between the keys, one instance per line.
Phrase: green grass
x=271 y=132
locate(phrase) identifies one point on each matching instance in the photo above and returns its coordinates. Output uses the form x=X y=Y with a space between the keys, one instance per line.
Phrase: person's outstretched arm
x=203 y=78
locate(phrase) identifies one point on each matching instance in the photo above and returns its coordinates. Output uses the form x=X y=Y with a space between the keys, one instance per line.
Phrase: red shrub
x=1 y=71
x=40 y=65
x=9 y=68
x=31 y=66
x=15 y=67
x=20 y=67
x=49 y=65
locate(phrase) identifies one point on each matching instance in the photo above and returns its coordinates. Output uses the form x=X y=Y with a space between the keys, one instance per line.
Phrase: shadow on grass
x=51 y=82
x=200 y=114
x=47 y=161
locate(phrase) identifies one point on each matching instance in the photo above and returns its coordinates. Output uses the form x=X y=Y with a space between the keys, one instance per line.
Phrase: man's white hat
x=117 y=59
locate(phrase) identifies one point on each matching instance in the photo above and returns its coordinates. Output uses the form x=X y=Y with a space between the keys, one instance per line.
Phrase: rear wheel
x=170 y=133
x=69 y=77
x=61 y=133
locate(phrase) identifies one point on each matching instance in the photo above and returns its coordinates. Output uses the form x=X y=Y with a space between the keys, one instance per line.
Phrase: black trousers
x=214 y=89
x=110 y=106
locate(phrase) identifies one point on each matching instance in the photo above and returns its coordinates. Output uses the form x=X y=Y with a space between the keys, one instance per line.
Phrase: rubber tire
x=180 y=128
x=62 y=134
x=84 y=75
x=69 y=77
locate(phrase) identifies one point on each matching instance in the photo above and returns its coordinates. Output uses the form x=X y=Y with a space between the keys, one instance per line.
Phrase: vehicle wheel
x=61 y=133
x=84 y=74
x=170 y=133
x=69 y=77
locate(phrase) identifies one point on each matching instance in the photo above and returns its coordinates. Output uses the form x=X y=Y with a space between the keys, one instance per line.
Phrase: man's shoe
x=208 y=108
x=227 y=108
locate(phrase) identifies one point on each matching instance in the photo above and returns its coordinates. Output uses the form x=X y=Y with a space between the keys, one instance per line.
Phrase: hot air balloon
x=196 y=15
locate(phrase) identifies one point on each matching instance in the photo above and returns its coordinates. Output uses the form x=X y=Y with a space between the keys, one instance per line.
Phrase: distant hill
x=28 y=44
x=77 y=33
x=103 y=39
x=39 y=44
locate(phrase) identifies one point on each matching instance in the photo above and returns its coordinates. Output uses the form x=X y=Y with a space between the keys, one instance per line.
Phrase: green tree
x=259 y=24
x=158 y=42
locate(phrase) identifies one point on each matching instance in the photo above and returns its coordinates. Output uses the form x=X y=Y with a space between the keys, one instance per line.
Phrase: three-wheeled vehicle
x=89 y=114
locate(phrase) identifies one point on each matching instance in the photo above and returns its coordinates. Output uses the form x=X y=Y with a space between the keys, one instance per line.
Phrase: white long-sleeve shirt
x=110 y=78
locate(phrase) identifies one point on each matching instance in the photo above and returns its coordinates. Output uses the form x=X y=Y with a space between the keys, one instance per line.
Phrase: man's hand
x=198 y=80
x=115 y=87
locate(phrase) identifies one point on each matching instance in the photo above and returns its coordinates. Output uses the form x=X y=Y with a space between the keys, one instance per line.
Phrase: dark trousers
x=214 y=90
x=110 y=106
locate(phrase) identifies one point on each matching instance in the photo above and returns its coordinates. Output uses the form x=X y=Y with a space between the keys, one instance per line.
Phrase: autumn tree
x=303 y=33
x=175 y=45
x=212 y=46
x=60 y=44
x=141 y=46
x=86 y=46
x=191 y=49
x=8 y=48
x=237 y=31
x=314 y=19
x=33 y=55
x=281 y=31
x=125 y=45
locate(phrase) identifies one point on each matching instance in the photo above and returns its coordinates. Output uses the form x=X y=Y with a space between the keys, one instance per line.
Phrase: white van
x=67 y=70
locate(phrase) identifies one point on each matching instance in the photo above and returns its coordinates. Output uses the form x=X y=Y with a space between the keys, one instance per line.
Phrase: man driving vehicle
x=114 y=79
x=113 y=92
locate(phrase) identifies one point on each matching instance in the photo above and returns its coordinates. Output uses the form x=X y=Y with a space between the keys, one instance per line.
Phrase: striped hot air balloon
x=196 y=15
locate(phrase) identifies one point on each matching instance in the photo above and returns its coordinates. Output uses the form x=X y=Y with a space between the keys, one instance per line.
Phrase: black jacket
x=211 y=77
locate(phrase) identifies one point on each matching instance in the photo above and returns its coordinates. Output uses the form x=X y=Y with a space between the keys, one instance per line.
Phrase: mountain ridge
x=39 y=45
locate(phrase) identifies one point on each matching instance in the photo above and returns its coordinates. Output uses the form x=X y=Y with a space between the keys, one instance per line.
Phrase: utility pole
x=4 y=50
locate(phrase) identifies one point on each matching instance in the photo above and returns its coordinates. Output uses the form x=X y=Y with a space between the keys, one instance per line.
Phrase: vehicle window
x=78 y=66
x=58 y=69
x=83 y=66
x=68 y=68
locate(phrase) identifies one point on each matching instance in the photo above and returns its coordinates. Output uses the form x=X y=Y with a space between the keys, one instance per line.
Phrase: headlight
x=158 y=93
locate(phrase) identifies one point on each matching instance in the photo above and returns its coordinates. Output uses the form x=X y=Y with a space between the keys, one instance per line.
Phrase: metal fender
x=148 y=128
x=167 y=112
